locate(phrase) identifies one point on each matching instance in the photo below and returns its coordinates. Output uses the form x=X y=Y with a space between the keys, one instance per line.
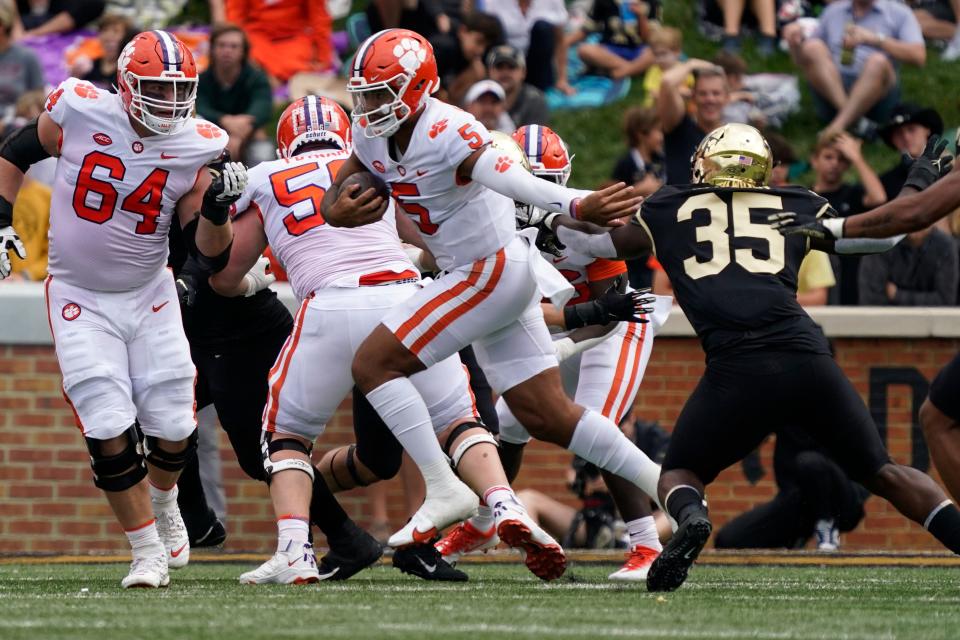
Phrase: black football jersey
x=733 y=274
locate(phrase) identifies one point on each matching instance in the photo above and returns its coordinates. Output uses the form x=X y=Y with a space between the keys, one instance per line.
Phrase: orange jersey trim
x=601 y=269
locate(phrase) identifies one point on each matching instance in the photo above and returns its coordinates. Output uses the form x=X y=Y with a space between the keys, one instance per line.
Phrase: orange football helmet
x=392 y=75
x=312 y=119
x=546 y=152
x=157 y=81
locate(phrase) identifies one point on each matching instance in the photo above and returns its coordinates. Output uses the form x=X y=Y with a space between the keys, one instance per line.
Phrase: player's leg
x=940 y=419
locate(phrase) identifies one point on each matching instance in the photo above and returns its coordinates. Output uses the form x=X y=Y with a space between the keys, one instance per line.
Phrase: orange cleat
x=465 y=538
x=637 y=565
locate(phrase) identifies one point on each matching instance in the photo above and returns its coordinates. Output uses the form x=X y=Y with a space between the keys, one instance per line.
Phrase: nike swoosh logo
x=176 y=553
x=429 y=567
x=556 y=260
x=687 y=555
x=164 y=156
x=324 y=576
x=424 y=537
x=157 y=307
x=421 y=173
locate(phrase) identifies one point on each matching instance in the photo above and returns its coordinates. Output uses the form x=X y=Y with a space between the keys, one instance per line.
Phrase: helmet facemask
x=371 y=110
x=151 y=106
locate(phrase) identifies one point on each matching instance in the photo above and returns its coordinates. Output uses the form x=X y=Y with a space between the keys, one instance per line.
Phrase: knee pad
x=468 y=442
x=272 y=467
x=382 y=458
x=169 y=460
x=121 y=471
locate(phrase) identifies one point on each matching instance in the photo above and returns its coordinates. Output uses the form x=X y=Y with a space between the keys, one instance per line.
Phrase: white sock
x=599 y=441
x=643 y=532
x=163 y=498
x=144 y=537
x=500 y=493
x=292 y=528
x=407 y=417
x=484 y=518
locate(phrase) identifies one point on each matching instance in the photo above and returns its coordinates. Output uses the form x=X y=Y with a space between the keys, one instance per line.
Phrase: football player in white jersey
x=127 y=163
x=604 y=378
x=347 y=280
x=460 y=193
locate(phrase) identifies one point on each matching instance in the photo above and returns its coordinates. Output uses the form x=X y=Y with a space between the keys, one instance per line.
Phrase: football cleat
x=424 y=561
x=670 y=569
x=213 y=536
x=465 y=538
x=173 y=533
x=147 y=571
x=444 y=505
x=294 y=565
x=637 y=565
x=541 y=553
x=351 y=556
x=828 y=535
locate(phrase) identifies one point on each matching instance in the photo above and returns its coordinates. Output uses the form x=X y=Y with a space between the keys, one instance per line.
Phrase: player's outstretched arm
x=623 y=243
x=245 y=273
x=348 y=207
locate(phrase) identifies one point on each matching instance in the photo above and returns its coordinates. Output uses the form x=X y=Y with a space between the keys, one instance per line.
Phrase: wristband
x=575 y=208
x=835 y=226
x=215 y=212
x=6 y=213
x=583 y=314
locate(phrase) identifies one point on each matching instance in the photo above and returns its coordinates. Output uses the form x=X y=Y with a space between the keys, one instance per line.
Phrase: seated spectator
x=850 y=59
x=921 y=271
x=764 y=13
x=43 y=17
x=151 y=14
x=525 y=103
x=683 y=132
x=460 y=54
x=232 y=92
x=19 y=66
x=830 y=160
x=643 y=166
x=622 y=28
x=535 y=27
x=939 y=20
x=762 y=99
x=114 y=32
x=907 y=131
x=815 y=498
x=486 y=101
x=286 y=38
x=666 y=43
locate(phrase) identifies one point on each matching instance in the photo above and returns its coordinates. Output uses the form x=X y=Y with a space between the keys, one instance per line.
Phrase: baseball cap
x=505 y=53
x=482 y=87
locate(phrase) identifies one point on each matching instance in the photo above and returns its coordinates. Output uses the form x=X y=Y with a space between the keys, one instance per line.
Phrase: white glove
x=257 y=279
x=9 y=240
x=234 y=176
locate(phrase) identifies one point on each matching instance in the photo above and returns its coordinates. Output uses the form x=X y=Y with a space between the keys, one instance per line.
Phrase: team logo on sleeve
x=71 y=311
x=86 y=90
x=379 y=166
x=503 y=163
x=437 y=128
x=208 y=130
x=102 y=139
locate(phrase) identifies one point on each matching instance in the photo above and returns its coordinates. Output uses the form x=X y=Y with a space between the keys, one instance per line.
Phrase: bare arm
x=910 y=52
x=670 y=105
x=874 y=194
x=249 y=243
x=908 y=213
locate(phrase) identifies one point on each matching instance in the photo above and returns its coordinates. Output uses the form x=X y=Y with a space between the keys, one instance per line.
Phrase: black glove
x=186 y=289
x=548 y=242
x=932 y=164
x=612 y=305
x=786 y=223
x=229 y=181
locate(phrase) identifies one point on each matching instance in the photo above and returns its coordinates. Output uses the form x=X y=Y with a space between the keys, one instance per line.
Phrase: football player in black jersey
x=940 y=413
x=767 y=362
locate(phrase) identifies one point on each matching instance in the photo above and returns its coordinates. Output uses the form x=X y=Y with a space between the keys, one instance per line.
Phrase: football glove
x=229 y=181
x=612 y=305
x=186 y=289
x=9 y=240
x=826 y=229
x=259 y=277
x=932 y=164
x=547 y=241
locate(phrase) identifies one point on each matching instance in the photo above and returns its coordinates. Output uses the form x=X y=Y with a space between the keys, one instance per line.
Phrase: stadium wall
x=48 y=502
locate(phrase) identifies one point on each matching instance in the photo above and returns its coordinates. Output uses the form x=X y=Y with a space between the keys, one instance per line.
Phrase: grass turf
x=503 y=601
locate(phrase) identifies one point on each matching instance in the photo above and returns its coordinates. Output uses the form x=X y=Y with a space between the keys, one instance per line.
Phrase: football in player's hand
x=366 y=180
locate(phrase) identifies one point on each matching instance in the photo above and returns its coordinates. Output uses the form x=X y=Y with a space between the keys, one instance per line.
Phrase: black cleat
x=424 y=561
x=670 y=569
x=349 y=556
x=212 y=535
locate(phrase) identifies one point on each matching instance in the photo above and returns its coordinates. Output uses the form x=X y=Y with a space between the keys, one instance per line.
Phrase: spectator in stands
x=460 y=54
x=427 y=17
x=525 y=103
x=621 y=52
x=486 y=101
x=907 y=131
x=43 y=17
x=850 y=59
x=765 y=13
x=939 y=20
x=830 y=160
x=19 y=67
x=286 y=37
x=643 y=166
x=921 y=271
x=784 y=157
x=763 y=99
x=536 y=28
x=682 y=131
x=666 y=43
x=114 y=32
x=232 y=92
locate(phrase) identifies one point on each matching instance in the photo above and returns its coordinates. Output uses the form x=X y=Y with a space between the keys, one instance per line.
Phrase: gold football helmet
x=734 y=155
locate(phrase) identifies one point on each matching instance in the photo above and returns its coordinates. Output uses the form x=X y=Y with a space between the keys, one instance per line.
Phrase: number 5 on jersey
x=287 y=197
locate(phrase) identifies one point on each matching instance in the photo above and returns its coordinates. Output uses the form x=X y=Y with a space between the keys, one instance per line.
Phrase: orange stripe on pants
x=633 y=375
x=618 y=376
x=283 y=364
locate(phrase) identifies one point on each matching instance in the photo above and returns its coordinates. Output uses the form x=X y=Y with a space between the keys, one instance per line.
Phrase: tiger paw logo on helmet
x=208 y=130
x=410 y=54
x=503 y=163
x=437 y=128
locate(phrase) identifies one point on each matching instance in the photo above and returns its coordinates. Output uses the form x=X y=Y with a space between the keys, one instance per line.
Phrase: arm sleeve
x=872 y=280
x=599 y=245
x=864 y=246
x=261 y=99
x=519 y=184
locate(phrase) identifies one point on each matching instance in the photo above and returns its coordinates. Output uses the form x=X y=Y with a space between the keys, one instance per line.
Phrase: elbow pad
x=865 y=246
x=22 y=148
x=213 y=264
x=519 y=184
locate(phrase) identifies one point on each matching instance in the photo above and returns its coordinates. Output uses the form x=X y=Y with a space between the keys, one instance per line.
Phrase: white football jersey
x=580 y=270
x=114 y=192
x=287 y=194
x=460 y=222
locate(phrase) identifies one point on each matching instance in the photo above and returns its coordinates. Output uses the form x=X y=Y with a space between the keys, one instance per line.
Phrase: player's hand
x=932 y=164
x=259 y=277
x=9 y=240
x=632 y=306
x=354 y=209
x=605 y=206
x=547 y=240
x=229 y=181
x=787 y=224
x=186 y=290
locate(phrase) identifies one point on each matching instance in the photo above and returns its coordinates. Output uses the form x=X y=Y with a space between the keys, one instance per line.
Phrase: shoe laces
x=152 y=563
x=170 y=524
x=639 y=556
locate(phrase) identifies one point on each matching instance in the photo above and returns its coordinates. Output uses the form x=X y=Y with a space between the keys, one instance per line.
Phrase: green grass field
x=501 y=601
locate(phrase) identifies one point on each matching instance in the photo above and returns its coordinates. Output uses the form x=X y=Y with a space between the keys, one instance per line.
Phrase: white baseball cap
x=482 y=87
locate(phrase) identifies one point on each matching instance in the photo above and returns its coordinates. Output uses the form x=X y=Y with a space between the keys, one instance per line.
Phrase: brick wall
x=48 y=502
